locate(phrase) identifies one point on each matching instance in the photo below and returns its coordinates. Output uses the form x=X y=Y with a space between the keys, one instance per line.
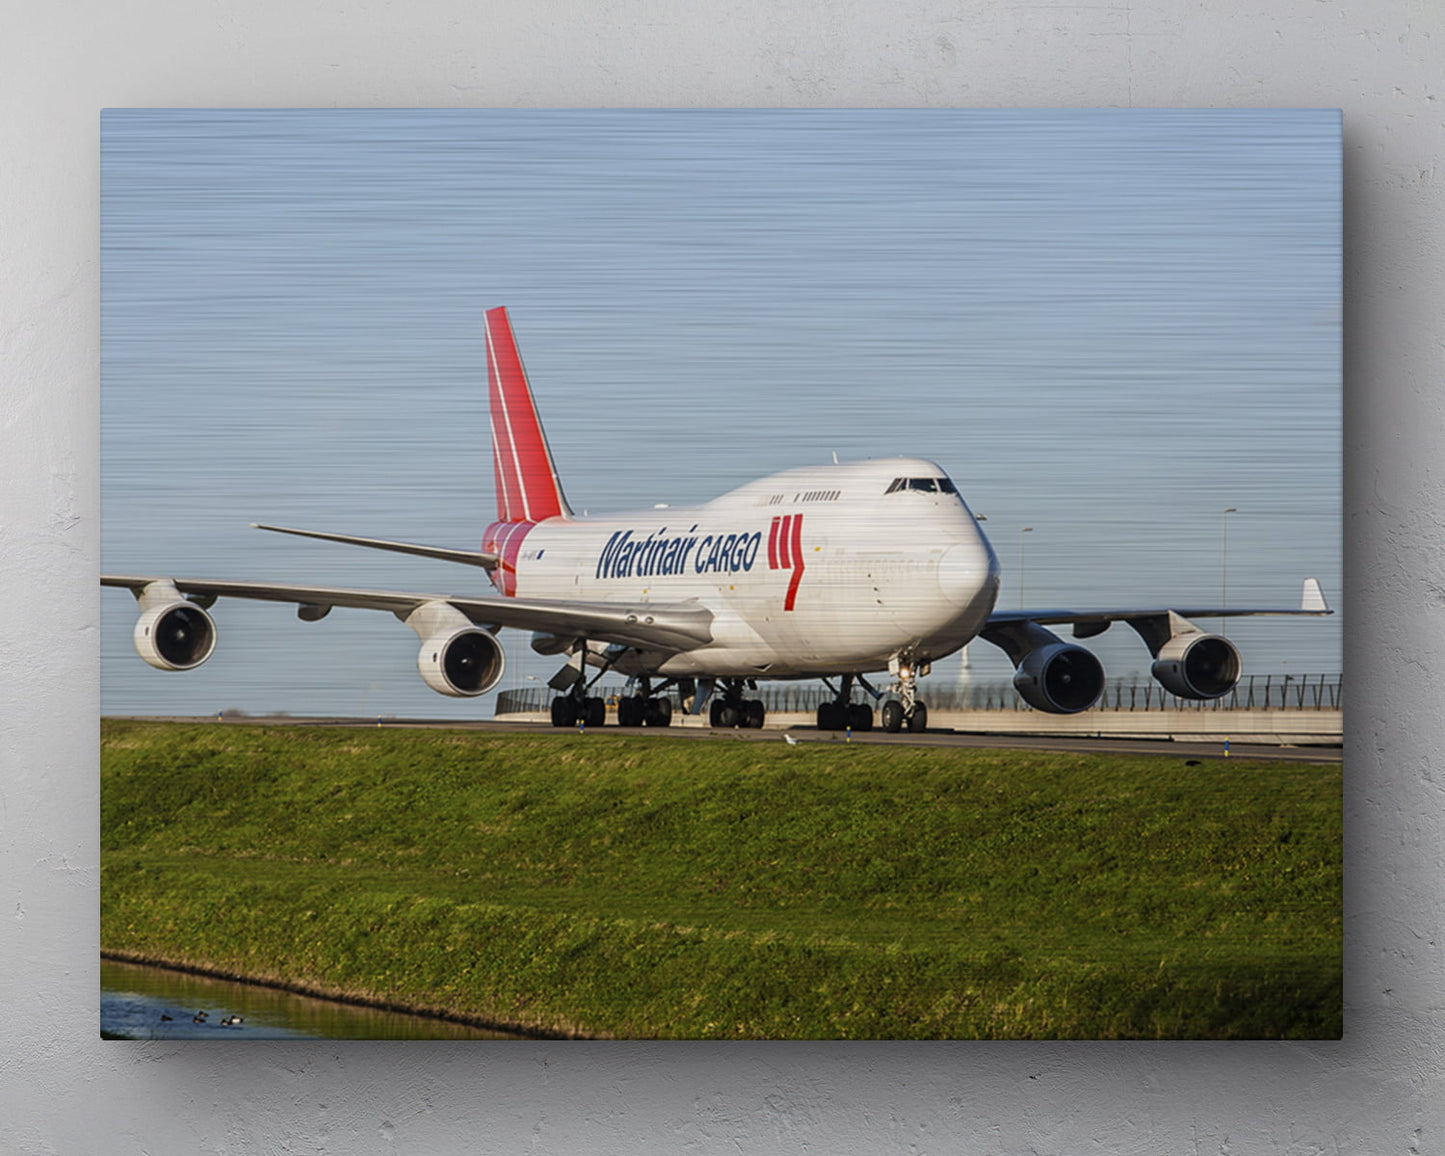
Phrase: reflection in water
x=152 y=1003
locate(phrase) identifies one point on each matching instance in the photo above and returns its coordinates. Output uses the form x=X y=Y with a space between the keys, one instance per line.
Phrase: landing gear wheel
x=658 y=712
x=630 y=710
x=860 y=716
x=892 y=716
x=564 y=712
x=753 y=714
x=918 y=720
x=596 y=712
x=714 y=712
x=729 y=717
x=832 y=716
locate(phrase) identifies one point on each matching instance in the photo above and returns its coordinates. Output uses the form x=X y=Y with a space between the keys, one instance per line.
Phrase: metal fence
x=1253 y=692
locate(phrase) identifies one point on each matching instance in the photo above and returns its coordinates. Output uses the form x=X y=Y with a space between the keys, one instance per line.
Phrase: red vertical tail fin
x=527 y=486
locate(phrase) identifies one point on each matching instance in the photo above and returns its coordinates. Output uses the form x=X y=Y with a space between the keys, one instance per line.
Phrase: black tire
x=659 y=712
x=730 y=717
x=596 y=712
x=629 y=711
x=860 y=716
x=892 y=716
x=714 y=712
x=754 y=713
x=832 y=716
x=564 y=712
x=918 y=720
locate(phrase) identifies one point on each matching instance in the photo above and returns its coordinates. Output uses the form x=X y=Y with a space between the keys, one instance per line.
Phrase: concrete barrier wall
x=1286 y=727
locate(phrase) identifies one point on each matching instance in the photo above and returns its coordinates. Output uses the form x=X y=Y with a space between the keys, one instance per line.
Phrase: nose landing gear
x=907 y=709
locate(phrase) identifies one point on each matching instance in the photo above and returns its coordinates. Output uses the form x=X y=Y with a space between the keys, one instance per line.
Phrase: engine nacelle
x=175 y=635
x=461 y=663
x=1197 y=665
x=1060 y=678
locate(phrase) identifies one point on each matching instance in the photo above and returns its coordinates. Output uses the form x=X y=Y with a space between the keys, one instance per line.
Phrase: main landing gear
x=731 y=709
x=574 y=706
x=843 y=714
x=633 y=710
x=644 y=709
x=568 y=710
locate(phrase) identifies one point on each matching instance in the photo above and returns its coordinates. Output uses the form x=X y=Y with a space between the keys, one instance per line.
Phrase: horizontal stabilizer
x=469 y=557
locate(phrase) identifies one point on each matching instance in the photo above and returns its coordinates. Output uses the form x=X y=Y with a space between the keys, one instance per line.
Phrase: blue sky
x=1108 y=326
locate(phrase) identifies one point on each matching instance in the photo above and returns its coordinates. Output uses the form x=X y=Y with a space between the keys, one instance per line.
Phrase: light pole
x=1224 y=561
x=1022 y=532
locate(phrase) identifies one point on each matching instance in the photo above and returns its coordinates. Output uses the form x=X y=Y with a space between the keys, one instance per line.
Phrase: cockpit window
x=926 y=485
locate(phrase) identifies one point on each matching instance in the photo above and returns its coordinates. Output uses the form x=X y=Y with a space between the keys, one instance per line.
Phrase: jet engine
x=176 y=635
x=1197 y=665
x=1059 y=678
x=463 y=663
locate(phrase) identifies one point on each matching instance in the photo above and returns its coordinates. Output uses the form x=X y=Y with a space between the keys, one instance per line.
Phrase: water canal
x=155 y=1003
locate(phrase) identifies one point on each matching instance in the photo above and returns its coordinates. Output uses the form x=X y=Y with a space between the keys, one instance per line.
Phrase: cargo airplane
x=835 y=572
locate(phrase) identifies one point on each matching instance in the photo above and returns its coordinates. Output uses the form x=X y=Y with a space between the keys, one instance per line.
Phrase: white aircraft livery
x=832 y=572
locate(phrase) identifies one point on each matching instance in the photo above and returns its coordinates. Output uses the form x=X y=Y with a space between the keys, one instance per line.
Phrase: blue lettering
x=624 y=556
x=751 y=553
x=609 y=554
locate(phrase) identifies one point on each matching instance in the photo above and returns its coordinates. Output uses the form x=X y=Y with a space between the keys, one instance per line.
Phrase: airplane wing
x=1062 y=678
x=648 y=625
x=1088 y=623
x=1021 y=634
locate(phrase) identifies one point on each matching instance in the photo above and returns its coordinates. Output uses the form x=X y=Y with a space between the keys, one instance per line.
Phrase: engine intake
x=1197 y=666
x=1060 y=678
x=175 y=636
x=462 y=664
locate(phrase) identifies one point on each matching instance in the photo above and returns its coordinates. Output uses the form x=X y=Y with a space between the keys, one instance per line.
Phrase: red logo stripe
x=797 y=562
x=773 y=545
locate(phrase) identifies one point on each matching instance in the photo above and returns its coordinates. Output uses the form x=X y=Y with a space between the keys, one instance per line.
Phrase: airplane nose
x=963 y=573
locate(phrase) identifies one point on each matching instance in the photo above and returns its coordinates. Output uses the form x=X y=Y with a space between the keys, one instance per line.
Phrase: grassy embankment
x=645 y=886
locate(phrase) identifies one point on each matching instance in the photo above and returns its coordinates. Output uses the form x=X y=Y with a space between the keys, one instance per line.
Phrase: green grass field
x=640 y=886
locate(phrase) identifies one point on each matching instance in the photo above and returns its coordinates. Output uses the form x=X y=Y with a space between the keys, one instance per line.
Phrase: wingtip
x=1312 y=598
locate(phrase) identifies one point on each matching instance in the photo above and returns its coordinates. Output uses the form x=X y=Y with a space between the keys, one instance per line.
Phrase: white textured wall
x=1381 y=1090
